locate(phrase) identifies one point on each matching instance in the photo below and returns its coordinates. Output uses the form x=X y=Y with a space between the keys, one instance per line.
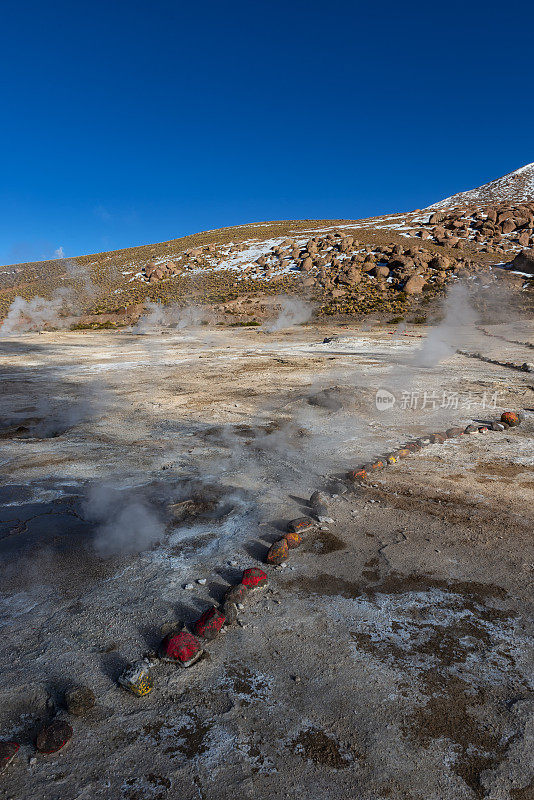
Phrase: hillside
x=393 y=265
x=515 y=187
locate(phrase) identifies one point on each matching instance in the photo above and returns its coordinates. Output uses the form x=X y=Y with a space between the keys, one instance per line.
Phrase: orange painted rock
x=293 y=539
x=357 y=474
x=403 y=452
x=300 y=525
x=53 y=737
x=378 y=464
x=8 y=751
x=278 y=552
x=183 y=649
x=511 y=418
x=254 y=578
x=210 y=623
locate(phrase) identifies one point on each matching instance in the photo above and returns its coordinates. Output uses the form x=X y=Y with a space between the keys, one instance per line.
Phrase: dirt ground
x=391 y=659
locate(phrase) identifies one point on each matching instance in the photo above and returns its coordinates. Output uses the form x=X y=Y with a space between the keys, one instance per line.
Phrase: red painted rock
x=293 y=539
x=300 y=525
x=511 y=418
x=451 y=433
x=357 y=475
x=8 y=751
x=483 y=429
x=54 y=736
x=254 y=578
x=210 y=623
x=278 y=552
x=183 y=649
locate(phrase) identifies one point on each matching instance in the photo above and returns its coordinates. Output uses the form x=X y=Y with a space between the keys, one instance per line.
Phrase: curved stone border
x=184 y=649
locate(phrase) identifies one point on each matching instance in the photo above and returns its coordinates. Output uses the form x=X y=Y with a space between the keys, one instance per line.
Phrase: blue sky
x=133 y=122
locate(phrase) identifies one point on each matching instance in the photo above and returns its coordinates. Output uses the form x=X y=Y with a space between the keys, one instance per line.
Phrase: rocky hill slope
x=396 y=264
x=516 y=187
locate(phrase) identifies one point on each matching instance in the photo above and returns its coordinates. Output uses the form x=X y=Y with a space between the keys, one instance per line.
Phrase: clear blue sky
x=134 y=122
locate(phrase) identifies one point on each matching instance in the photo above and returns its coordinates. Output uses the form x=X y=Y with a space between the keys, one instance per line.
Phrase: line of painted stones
x=527 y=366
x=509 y=419
x=503 y=338
x=184 y=648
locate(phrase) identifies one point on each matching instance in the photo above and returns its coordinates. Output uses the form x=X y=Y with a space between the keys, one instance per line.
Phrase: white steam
x=457 y=325
x=126 y=524
x=293 y=311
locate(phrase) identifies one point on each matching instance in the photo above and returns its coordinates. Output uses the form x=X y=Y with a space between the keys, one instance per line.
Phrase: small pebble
x=202 y=581
x=296 y=678
x=32 y=761
x=189 y=586
x=240 y=606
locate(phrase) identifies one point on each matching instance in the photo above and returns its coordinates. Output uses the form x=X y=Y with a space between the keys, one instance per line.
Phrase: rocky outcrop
x=524 y=262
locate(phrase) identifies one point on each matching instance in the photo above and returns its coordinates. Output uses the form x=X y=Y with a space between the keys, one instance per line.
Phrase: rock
x=511 y=418
x=237 y=594
x=254 y=578
x=54 y=736
x=293 y=539
x=524 y=262
x=202 y=581
x=183 y=649
x=451 y=433
x=437 y=438
x=79 y=699
x=356 y=474
x=528 y=366
x=300 y=525
x=137 y=678
x=392 y=458
x=306 y=264
x=8 y=751
x=497 y=426
x=437 y=217
x=414 y=285
x=471 y=429
x=230 y=612
x=278 y=552
x=209 y=624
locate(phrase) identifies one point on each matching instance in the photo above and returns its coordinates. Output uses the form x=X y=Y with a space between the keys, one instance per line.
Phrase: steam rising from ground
x=172 y=316
x=293 y=311
x=56 y=313
x=456 y=326
x=126 y=523
x=38 y=313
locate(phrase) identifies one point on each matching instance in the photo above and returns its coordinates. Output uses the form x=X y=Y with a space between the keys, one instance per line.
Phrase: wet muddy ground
x=393 y=656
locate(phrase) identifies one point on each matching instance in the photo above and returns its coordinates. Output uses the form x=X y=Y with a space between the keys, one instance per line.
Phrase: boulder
x=414 y=285
x=524 y=262
x=306 y=264
x=183 y=649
